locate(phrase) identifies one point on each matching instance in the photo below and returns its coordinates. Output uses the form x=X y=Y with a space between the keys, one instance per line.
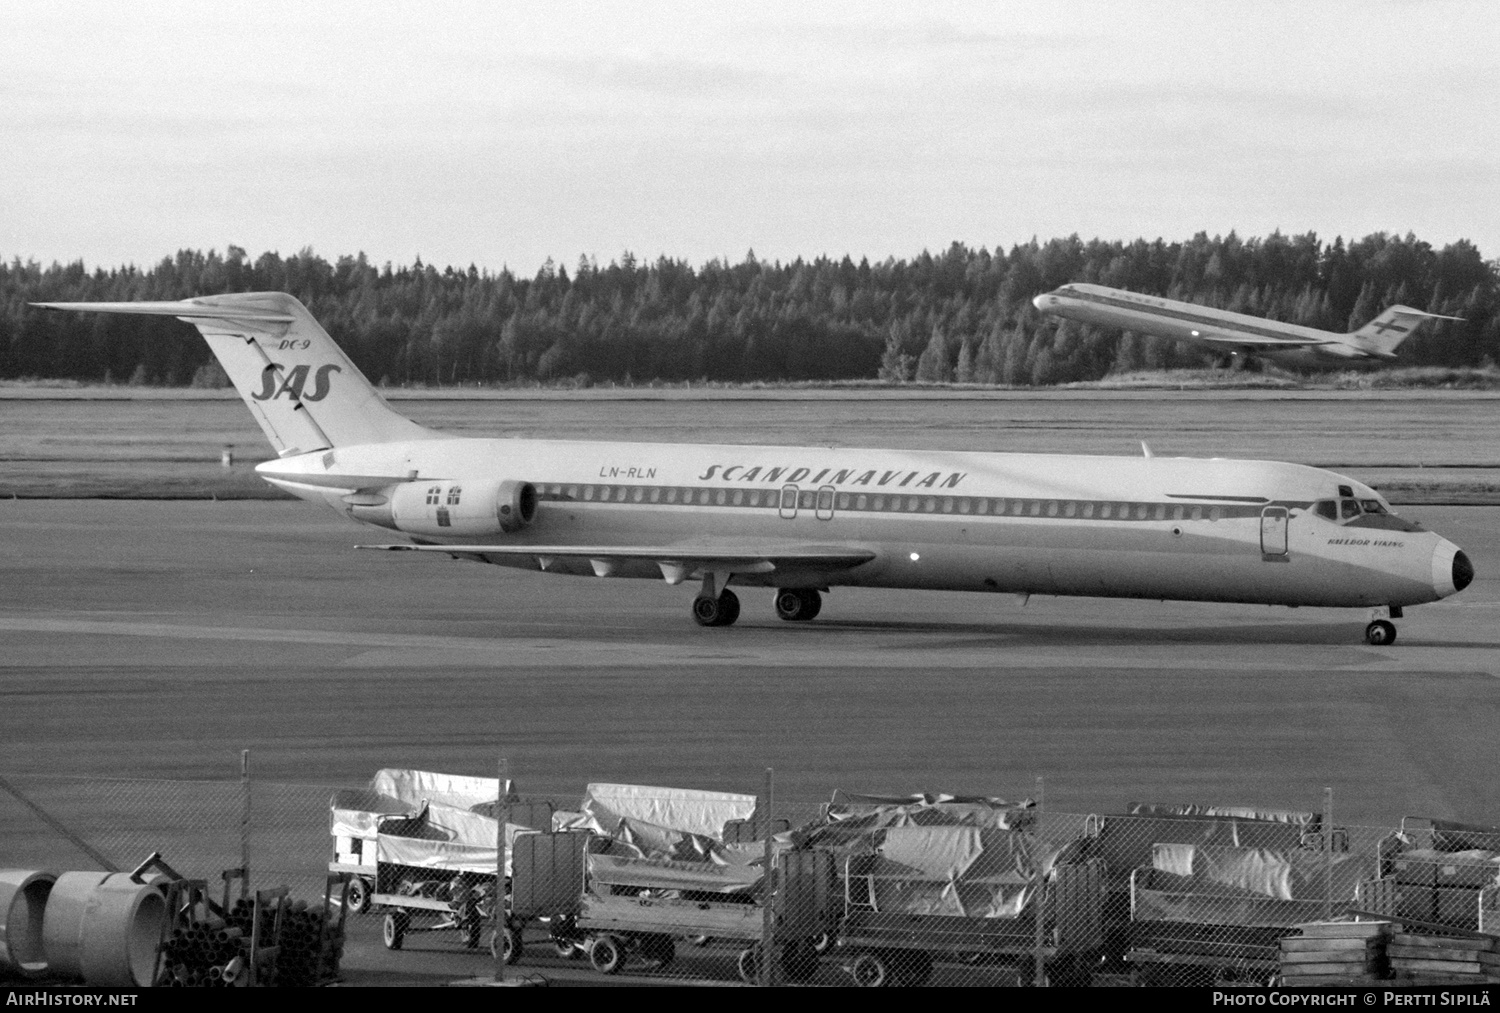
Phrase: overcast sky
x=501 y=134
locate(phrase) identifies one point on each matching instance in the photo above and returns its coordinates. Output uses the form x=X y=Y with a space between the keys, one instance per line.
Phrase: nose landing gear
x=1380 y=633
x=798 y=605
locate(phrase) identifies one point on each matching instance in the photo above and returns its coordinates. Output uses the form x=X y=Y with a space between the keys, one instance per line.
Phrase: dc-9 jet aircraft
x=1235 y=336
x=803 y=520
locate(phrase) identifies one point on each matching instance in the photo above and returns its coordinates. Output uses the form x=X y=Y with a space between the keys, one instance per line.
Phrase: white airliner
x=1244 y=338
x=803 y=520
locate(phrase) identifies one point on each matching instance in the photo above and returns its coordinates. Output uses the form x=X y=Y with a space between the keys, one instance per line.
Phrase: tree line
x=962 y=315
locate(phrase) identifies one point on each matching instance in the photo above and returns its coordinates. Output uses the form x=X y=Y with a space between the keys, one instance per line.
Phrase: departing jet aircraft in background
x=802 y=520
x=1246 y=338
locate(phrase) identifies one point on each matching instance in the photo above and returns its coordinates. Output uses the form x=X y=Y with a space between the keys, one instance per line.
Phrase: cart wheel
x=660 y=949
x=749 y=965
x=870 y=970
x=393 y=930
x=358 y=896
x=700 y=940
x=511 y=941
x=567 y=949
x=821 y=942
x=607 y=955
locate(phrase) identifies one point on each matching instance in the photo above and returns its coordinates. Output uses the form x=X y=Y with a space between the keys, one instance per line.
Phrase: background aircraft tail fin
x=300 y=386
x=1381 y=335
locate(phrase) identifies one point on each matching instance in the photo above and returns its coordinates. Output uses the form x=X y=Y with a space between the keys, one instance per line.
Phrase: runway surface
x=155 y=640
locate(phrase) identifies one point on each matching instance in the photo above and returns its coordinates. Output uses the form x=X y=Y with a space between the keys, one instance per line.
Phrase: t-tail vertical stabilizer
x=299 y=385
x=1380 y=336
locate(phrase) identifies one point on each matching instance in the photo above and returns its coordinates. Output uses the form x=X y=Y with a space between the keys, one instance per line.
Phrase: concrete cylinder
x=122 y=932
x=62 y=924
x=23 y=902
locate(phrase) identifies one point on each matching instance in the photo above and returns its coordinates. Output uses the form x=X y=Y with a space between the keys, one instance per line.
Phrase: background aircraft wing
x=677 y=562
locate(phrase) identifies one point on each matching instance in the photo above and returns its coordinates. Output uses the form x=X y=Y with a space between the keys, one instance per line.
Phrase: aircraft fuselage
x=1129 y=527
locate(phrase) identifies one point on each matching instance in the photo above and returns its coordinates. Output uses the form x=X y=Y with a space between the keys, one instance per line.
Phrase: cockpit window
x=1327 y=508
x=1349 y=508
x=1372 y=506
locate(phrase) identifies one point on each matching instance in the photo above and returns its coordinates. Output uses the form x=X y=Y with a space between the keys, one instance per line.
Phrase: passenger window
x=1348 y=508
x=879 y=502
x=739 y=496
x=1088 y=510
x=720 y=497
x=1070 y=509
x=755 y=497
x=1197 y=513
x=621 y=494
x=588 y=492
x=639 y=494
x=1052 y=509
x=1327 y=509
x=1161 y=511
x=948 y=505
x=703 y=497
x=843 y=501
x=1036 y=508
x=1106 y=510
x=964 y=506
x=930 y=504
x=860 y=502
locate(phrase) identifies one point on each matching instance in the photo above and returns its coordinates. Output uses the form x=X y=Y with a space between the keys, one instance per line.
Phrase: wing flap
x=1256 y=341
x=730 y=559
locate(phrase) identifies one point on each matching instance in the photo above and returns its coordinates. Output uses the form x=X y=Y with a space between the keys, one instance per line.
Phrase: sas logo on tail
x=293 y=382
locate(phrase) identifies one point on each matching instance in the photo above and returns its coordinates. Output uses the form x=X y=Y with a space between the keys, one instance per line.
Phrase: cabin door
x=789 y=502
x=1273 y=524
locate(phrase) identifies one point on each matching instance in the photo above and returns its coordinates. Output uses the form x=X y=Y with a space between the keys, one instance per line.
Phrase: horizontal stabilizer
x=186 y=309
x=304 y=391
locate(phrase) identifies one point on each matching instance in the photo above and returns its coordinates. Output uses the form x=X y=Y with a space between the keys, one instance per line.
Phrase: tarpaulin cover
x=443 y=837
x=1164 y=897
x=663 y=874
x=356 y=812
x=683 y=809
x=1448 y=835
x=417 y=786
x=1125 y=842
x=853 y=822
x=1244 y=812
x=1283 y=875
x=957 y=870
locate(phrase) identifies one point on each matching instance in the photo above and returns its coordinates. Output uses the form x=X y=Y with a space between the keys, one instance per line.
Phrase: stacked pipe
x=301 y=937
x=207 y=953
x=304 y=931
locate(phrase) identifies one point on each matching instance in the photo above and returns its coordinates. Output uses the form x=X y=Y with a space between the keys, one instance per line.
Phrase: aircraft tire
x=1380 y=633
x=798 y=605
x=720 y=611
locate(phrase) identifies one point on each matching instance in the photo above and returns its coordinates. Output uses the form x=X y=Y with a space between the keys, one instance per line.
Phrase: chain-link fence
x=705 y=886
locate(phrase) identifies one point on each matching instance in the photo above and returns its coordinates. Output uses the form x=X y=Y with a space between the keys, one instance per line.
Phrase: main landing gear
x=722 y=610
x=798 y=605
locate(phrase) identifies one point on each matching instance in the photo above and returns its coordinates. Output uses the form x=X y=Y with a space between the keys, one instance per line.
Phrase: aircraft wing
x=1258 y=342
x=677 y=562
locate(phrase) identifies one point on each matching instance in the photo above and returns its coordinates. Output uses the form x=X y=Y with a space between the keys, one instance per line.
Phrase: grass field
x=1417 y=445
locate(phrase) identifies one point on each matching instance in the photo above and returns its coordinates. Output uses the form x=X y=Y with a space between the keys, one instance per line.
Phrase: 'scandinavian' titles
x=898 y=479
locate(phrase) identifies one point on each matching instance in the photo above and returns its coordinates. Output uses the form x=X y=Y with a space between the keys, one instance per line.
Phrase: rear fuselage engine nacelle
x=447 y=507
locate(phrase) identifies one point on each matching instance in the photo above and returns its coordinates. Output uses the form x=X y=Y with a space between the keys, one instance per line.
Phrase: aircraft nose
x=1452 y=570
x=1037 y=302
